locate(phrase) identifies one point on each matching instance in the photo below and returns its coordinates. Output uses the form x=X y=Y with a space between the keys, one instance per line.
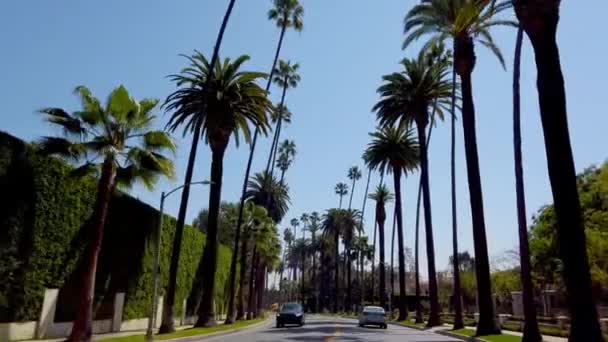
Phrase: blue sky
x=49 y=47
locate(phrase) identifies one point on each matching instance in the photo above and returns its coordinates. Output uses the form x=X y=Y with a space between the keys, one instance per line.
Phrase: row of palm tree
x=464 y=23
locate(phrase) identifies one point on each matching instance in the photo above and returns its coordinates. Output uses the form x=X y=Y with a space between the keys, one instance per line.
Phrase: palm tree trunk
x=419 y=318
x=373 y=275
x=206 y=314
x=428 y=220
x=167 y=324
x=340 y=207
x=349 y=287
x=352 y=191
x=401 y=249
x=362 y=274
x=458 y=317
x=381 y=218
x=336 y=271
x=260 y=286
x=239 y=222
x=531 y=331
x=393 y=257
x=250 y=294
x=240 y=312
x=82 y=329
x=277 y=133
x=487 y=316
x=571 y=231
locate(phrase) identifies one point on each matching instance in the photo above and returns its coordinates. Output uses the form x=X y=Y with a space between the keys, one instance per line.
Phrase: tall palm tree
x=313 y=228
x=231 y=103
x=354 y=174
x=406 y=97
x=531 y=331
x=285 y=76
x=373 y=251
x=331 y=228
x=341 y=189
x=254 y=216
x=288 y=238
x=381 y=196
x=351 y=224
x=295 y=223
x=466 y=22
x=116 y=142
x=286 y=14
x=394 y=149
x=539 y=19
x=287 y=153
x=167 y=323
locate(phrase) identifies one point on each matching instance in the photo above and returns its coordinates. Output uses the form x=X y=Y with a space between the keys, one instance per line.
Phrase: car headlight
x=298 y=314
x=278 y=315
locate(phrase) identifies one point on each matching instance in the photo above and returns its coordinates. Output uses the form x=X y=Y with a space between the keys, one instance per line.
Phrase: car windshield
x=374 y=309
x=290 y=307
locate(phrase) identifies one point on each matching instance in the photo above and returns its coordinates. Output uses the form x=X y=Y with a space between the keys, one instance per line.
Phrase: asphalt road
x=330 y=329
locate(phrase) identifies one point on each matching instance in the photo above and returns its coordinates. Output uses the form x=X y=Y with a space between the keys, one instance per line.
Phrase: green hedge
x=43 y=218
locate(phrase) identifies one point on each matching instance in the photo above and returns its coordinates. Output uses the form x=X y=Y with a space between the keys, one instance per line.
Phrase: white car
x=373 y=315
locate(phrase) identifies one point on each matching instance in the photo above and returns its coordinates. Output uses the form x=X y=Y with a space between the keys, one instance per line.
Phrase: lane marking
x=332 y=338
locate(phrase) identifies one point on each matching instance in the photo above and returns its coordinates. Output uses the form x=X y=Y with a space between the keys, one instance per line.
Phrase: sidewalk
x=546 y=338
x=99 y=337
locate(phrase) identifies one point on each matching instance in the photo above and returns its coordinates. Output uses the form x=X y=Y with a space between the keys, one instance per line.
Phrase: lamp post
x=152 y=314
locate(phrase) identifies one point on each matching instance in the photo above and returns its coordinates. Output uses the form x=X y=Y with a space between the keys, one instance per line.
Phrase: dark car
x=290 y=313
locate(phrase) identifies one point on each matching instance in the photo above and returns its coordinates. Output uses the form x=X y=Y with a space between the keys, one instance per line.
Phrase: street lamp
x=151 y=316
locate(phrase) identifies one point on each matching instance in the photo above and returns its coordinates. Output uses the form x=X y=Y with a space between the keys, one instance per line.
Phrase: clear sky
x=49 y=47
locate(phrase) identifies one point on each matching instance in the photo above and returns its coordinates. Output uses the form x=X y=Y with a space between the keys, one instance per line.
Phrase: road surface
x=330 y=329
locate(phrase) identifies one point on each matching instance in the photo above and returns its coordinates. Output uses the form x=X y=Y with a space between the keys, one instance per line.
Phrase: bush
x=43 y=220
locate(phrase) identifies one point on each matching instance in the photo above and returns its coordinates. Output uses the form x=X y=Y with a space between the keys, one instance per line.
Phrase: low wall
x=18 y=331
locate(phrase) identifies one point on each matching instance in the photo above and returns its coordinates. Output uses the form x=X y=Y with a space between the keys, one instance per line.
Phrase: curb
x=460 y=337
x=218 y=333
x=407 y=326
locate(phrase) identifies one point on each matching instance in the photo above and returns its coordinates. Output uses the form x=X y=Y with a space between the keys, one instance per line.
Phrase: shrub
x=43 y=220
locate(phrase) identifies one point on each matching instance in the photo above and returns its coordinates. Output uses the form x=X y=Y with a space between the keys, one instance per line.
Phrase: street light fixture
x=152 y=316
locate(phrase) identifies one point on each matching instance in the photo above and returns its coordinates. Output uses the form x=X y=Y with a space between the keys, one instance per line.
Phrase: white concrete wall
x=18 y=331
x=134 y=324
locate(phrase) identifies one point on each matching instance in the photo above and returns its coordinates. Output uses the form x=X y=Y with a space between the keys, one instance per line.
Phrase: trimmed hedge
x=43 y=220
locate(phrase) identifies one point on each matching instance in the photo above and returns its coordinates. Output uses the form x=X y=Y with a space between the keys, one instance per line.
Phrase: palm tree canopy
x=286 y=74
x=261 y=187
x=382 y=195
x=232 y=102
x=406 y=96
x=354 y=173
x=288 y=147
x=341 y=189
x=344 y=222
x=287 y=13
x=283 y=162
x=392 y=147
x=288 y=236
x=456 y=19
x=119 y=131
x=282 y=112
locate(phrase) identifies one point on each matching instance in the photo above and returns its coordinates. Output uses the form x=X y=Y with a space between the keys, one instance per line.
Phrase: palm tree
x=313 y=228
x=254 y=216
x=167 y=324
x=261 y=187
x=373 y=251
x=539 y=20
x=236 y=101
x=288 y=238
x=295 y=223
x=466 y=21
x=116 y=143
x=381 y=196
x=354 y=174
x=285 y=76
x=531 y=331
x=287 y=153
x=341 y=190
x=351 y=224
x=286 y=13
x=405 y=98
x=393 y=149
